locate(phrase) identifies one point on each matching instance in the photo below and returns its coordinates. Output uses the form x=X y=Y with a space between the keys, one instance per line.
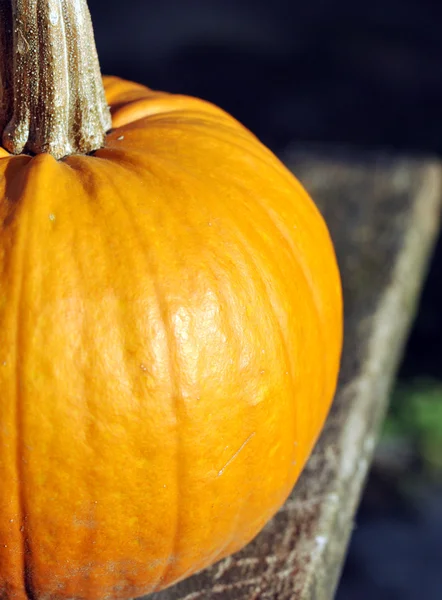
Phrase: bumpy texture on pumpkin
x=171 y=324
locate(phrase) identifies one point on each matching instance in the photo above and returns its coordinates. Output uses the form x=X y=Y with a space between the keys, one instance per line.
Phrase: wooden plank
x=383 y=213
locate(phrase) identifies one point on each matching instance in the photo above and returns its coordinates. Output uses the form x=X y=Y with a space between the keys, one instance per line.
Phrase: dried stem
x=51 y=96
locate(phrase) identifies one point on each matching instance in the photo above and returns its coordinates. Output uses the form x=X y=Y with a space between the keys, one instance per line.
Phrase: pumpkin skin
x=171 y=325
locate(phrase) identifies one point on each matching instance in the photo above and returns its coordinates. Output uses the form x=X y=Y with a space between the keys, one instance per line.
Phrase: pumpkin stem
x=51 y=92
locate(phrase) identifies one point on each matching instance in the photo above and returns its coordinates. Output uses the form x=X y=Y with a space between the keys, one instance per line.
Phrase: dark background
x=330 y=71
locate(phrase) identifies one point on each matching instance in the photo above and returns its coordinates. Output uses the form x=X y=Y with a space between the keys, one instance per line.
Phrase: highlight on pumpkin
x=171 y=321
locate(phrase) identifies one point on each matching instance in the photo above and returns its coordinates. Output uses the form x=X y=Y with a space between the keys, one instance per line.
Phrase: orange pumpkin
x=171 y=323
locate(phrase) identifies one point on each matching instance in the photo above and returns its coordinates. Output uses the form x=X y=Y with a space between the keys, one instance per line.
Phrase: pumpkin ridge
x=219 y=554
x=206 y=560
x=136 y=98
x=177 y=396
x=231 y=542
x=206 y=121
x=78 y=264
x=281 y=228
x=21 y=251
x=252 y=264
x=277 y=222
x=249 y=256
x=272 y=308
x=178 y=402
x=314 y=295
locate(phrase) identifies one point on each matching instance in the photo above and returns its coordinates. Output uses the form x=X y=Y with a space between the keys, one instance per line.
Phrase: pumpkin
x=171 y=329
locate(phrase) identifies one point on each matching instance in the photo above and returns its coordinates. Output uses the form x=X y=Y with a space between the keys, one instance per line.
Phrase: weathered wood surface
x=383 y=214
